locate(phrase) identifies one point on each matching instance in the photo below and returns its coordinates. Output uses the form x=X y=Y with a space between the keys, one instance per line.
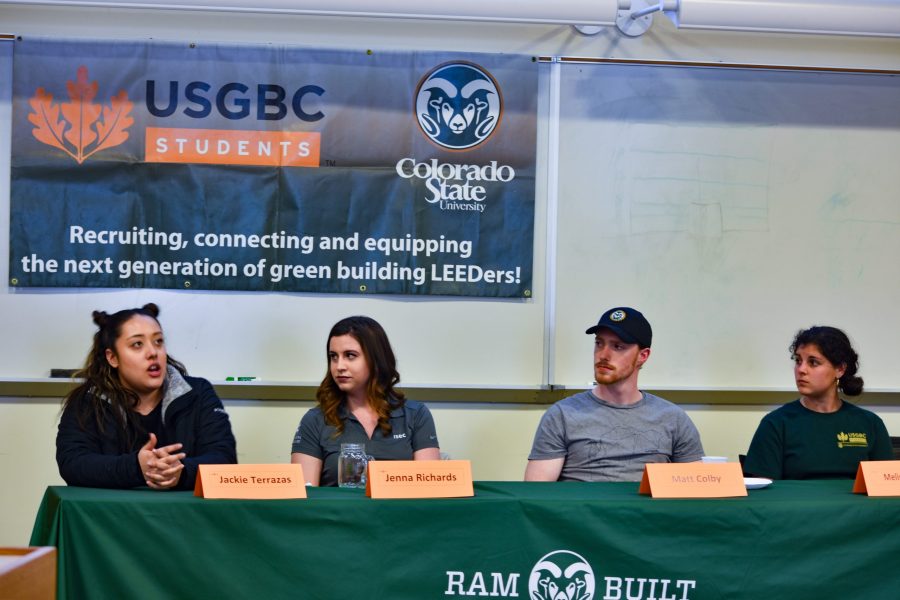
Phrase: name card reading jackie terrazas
x=250 y=482
x=878 y=478
x=693 y=480
x=419 y=479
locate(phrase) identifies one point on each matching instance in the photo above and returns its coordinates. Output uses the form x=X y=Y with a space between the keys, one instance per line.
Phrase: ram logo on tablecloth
x=561 y=575
x=566 y=575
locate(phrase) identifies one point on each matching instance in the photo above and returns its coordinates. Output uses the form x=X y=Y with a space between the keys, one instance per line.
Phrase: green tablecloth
x=790 y=541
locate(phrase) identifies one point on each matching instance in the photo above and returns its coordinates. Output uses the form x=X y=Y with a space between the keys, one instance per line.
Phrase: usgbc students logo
x=458 y=105
x=561 y=574
x=80 y=127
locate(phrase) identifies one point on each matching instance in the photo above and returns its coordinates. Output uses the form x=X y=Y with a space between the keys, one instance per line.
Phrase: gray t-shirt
x=608 y=442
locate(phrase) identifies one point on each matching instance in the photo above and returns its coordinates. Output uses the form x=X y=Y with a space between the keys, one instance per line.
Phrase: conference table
x=792 y=540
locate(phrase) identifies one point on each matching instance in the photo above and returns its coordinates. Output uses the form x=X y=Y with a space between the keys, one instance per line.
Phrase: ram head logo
x=561 y=575
x=458 y=105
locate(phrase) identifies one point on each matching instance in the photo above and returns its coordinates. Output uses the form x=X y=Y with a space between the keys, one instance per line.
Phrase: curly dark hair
x=102 y=392
x=836 y=347
x=383 y=375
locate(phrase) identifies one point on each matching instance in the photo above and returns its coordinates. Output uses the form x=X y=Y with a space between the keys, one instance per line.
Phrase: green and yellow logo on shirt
x=852 y=440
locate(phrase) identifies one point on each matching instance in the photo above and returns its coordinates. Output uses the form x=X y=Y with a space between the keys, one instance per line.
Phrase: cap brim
x=624 y=336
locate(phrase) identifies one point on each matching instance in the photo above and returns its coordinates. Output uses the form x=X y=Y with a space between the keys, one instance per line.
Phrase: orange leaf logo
x=80 y=127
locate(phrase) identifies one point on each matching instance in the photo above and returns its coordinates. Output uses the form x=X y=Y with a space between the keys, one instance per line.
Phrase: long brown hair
x=102 y=392
x=383 y=375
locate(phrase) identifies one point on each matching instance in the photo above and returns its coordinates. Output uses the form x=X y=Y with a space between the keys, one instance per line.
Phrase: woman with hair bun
x=139 y=419
x=819 y=436
x=358 y=403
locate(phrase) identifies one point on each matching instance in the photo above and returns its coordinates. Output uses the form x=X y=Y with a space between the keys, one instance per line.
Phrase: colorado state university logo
x=80 y=127
x=458 y=105
x=561 y=575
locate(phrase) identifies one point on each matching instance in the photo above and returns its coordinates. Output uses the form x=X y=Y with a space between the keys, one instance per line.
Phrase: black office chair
x=895 y=442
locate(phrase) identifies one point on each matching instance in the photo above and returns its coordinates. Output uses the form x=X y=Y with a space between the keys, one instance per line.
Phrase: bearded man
x=608 y=433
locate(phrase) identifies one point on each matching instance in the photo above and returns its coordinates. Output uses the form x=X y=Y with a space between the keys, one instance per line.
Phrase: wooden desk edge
x=26 y=555
x=33 y=574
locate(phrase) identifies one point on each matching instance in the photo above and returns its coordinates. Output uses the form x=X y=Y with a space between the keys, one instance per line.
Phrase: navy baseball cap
x=627 y=323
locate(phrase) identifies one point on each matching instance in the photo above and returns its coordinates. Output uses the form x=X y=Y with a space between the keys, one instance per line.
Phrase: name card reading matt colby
x=693 y=480
x=250 y=482
x=878 y=478
x=419 y=479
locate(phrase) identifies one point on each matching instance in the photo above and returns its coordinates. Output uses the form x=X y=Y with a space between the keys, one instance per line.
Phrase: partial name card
x=693 y=480
x=878 y=478
x=250 y=482
x=419 y=479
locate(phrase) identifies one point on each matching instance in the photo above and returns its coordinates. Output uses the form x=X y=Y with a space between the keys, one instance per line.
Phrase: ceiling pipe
x=632 y=17
x=563 y=12
x=877 y=18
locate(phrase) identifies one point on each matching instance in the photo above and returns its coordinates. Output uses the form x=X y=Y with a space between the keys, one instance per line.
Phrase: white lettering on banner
x=416 y=246
x=373 y=271
x=454 y=186
x=103 y=265
x=409 y=168
x=136 y=236
x=241 y=240
x=474 y=274
x=197 y=268
x=201 y=146
x=446 y=205
x=442 y=190
x=279 y=272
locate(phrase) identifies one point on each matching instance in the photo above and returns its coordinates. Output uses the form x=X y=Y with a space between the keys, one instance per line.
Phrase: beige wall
x=496 y=438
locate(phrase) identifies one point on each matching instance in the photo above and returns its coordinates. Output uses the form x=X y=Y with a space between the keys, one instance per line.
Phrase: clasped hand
x=162 y=466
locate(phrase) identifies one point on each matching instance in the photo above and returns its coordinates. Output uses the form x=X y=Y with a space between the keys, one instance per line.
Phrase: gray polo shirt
x=412 y=428
x=602 y=441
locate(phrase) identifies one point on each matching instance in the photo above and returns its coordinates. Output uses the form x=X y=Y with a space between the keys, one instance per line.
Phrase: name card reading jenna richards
x=250 y=482
x=693 y=480
x=419 y=479
x=878 y=478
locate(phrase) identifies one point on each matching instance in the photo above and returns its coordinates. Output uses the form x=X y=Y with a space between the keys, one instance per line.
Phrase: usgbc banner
x=271 y=168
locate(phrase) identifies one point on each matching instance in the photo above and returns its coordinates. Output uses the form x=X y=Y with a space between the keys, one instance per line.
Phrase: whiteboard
x=733 y=207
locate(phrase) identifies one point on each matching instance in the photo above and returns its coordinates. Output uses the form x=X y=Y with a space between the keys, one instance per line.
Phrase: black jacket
x=192 y=414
